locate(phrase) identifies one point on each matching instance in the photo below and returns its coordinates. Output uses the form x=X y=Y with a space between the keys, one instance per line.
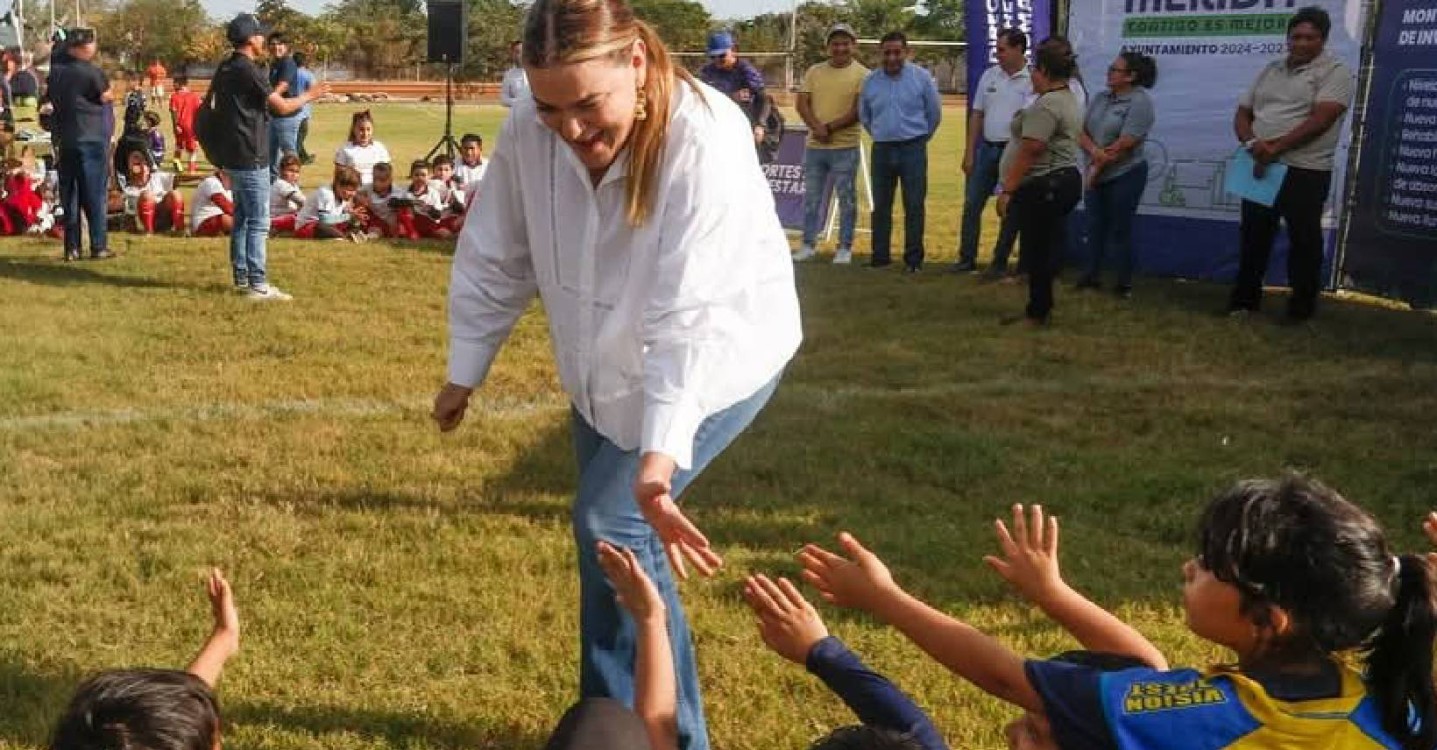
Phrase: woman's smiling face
x=591 y=104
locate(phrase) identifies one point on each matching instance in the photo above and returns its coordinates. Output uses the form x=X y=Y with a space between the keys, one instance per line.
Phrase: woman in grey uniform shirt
x=1117 y=122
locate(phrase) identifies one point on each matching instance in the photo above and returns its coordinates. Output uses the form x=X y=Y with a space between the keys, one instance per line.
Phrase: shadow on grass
x=30 y=702
x=57 y=273
x=394 y=729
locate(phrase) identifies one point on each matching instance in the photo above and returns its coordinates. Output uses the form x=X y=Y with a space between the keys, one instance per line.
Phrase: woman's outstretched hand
x=682 y=539
x=449 y=406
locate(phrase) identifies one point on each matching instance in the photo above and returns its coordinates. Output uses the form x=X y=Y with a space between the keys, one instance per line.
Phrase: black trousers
x=1299 y=203
x=303 y=155
x=1040 y=209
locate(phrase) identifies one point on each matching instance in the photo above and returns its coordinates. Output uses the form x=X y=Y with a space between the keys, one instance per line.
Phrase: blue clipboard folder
x=1238 y=179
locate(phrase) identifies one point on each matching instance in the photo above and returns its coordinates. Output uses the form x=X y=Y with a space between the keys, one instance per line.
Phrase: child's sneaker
x=804 y=253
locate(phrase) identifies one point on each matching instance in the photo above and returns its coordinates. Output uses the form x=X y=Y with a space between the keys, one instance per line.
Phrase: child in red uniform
x=151 y=201
x=330 y=214
x=422 y=215
x=22 y=203
x=380 y=198
x=183 y=106
x=214 y=209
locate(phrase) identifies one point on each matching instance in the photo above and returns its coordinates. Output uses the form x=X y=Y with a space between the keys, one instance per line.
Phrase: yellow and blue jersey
x=1218 y=709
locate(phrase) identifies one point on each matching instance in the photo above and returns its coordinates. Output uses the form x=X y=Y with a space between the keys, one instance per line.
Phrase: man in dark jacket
x=81 y=96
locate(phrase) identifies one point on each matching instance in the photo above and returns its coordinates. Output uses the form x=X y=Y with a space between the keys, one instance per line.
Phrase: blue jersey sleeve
x=1073 y=700
x=876 y=701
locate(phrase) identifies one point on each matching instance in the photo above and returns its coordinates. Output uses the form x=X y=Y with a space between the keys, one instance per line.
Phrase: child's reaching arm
x=655 y=687
x=864 y=582
x=792 y=629
x=1030 y=564
x=224 y=639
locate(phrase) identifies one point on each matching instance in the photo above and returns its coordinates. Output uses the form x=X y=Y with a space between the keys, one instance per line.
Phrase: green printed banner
x=1264 y=24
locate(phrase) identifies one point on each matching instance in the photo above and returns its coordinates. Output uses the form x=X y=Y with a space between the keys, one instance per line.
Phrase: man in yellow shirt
x=828 y=104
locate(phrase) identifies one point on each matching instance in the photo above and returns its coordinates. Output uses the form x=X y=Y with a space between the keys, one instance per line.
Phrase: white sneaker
x=268 y=293
x=804 y=253
x=843 y=257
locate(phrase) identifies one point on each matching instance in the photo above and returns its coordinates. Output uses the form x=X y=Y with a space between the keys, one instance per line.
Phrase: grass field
x=402 y=589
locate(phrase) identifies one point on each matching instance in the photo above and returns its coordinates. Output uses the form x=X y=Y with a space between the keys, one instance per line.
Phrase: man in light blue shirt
x=899 y=108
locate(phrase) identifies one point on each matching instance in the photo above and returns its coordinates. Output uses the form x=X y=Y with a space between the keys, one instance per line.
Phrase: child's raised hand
x=222 y=605
x=788 y=624
x=861 y=580
x=636 y=591
x=1030 y=553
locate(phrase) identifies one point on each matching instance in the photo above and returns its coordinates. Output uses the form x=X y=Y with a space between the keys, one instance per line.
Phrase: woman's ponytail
x=1399 y=664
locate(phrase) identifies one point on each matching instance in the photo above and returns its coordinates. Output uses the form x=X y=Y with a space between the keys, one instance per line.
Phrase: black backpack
x=208 y=128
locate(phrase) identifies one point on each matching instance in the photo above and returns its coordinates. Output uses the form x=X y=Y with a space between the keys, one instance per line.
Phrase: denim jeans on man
x=818 y=165
x=283 y=138
x=83 y=174
x=605 y=510
x=895 y=162
x=1111 y=207
x=250 y=188
x=977 y=188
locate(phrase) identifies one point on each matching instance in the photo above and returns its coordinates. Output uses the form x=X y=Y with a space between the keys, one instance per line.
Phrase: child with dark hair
x=1297 y=581
x=791 y=628
x=361 y=150
x=151 y=124
x=151 y=201
x=381 y=199
x=329 y=212
x=286 y=197
x=422 y=211
x=450 y=188
x=156 y=709
x=184 y=104
x=471 y=166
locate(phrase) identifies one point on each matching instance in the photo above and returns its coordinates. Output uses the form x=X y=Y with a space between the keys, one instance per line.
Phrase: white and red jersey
x=450 y=197
x=470 y=174
x=211 y=199
x=428 y=199
x=324 y=206
x=158 y=184
x=379 y=204
x=362 y=158
x=285 y=198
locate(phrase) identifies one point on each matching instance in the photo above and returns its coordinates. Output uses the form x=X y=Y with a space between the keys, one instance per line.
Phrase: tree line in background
x=387 y=38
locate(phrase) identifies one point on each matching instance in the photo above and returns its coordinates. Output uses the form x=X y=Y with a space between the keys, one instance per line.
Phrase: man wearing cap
x=1003 y=89
x=899 y=108
x=80 y=94
x=739 y=79
x=828 y=104
x=243 y=101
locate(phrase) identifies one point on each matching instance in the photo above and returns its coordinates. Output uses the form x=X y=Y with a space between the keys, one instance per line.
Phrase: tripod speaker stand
x=446 y=143
x=448 y=33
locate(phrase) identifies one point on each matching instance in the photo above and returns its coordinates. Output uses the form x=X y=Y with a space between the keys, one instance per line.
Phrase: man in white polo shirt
x=1003 y=89
x=1292 y=115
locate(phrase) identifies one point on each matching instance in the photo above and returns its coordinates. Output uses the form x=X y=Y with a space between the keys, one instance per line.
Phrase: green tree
x=381 y=37
x=493 y=24
x=683 y=24
x=142 y=30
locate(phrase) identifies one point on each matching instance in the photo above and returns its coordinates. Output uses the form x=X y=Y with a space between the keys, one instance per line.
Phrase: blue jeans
x=1110 y=207
x=895 y=162
x=818 y=164
x=83 y=173
x=283 y=138
x=605 y=510
x=977 y=188
x=251 y=198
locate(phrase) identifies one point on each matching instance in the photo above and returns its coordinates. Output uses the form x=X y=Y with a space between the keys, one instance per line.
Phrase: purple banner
x=985 y=18
x=785 y=180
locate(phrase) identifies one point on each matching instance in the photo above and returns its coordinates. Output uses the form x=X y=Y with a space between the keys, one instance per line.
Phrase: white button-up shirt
x=654 y=328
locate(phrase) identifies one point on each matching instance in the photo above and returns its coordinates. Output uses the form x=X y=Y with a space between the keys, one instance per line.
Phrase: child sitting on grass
x=156 y=138
x=1294 y=579
x=791 y=628
x=451 y=192
x=381 y=200
x=329 y=212
x=156 y=708
x=213 y=212
x=422 y=209
x=471 y=166
x=285 y=196
x=151 y=202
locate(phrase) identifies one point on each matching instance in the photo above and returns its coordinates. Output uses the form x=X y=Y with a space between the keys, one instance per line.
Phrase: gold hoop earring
x=641 y=106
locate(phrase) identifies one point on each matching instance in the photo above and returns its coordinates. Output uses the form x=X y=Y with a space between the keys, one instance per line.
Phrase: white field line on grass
x=822 y=397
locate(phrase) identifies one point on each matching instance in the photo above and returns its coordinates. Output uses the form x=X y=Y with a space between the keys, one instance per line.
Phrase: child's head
x=137 y=167
x=289 y=167
x=151 y=119
x=443 y=167
x=471 y=148
x=863 y=737
x=346 y=182
x=157 y=709
x=383 y=176
x=181 y=81
x=1289 y=571
x=419 y=171
x=361 y=128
